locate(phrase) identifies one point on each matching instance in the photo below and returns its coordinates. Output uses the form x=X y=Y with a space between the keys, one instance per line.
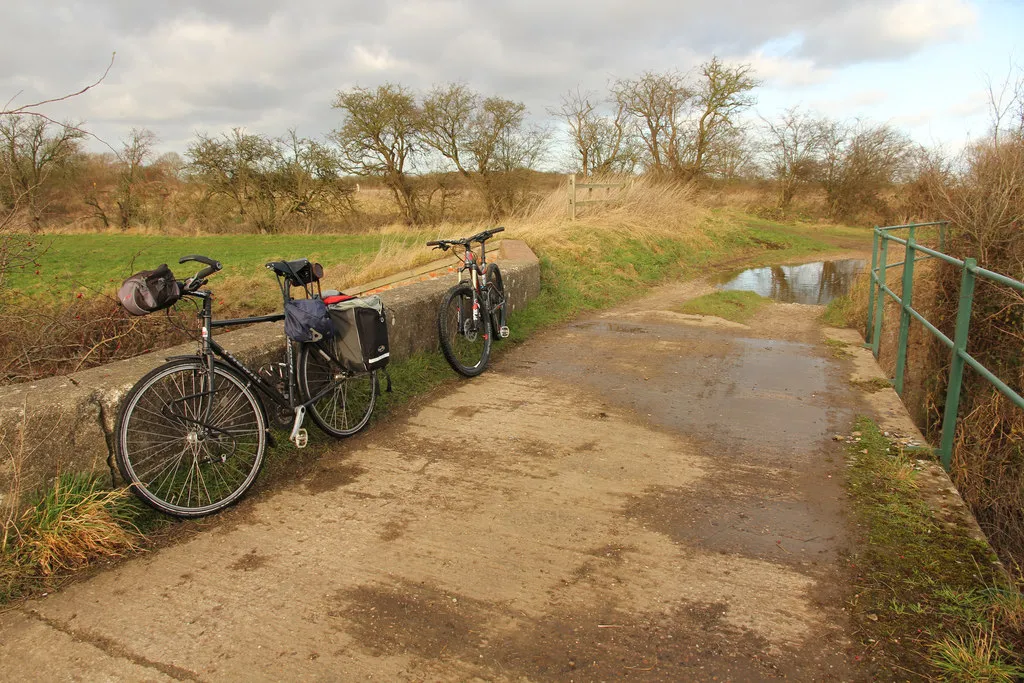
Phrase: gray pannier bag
x=360 y=333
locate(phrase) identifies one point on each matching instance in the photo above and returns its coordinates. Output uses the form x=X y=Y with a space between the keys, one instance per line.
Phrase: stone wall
x=66 y=424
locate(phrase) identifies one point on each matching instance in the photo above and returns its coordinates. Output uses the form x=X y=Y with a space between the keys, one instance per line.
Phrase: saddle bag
x=361 y=333
x=307 y=320
x=149 y=290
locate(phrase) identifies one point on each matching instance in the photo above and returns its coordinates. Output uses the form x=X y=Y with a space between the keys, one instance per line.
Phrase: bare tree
x=720 y=94
x=1006 y=105
x=658 y=105
x=792 y=148
x=601 y=143
x=308 y=177
x=735 y=155
x=682 y=121
x=130 y=183
x=236 y=166
x=486 y=139
x=857 y=162
x=12 y=204
x=33 y=151
x=378 y=139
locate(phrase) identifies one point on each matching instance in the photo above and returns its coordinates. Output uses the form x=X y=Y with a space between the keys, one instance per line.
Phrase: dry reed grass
x=648 y=211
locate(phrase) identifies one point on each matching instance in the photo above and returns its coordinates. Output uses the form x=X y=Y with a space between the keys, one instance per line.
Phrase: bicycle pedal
x=300 y=438
x=503 y=332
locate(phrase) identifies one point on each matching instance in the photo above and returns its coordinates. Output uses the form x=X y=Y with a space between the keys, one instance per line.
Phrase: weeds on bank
x=839 y=348
x=840 y=312
x=873 y=385
x=69 y=525
x=929 y=598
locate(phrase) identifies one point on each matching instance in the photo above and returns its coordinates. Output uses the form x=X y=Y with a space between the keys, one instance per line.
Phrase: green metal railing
x=958 y=344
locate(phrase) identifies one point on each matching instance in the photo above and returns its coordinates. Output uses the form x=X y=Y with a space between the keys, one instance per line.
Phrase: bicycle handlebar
x=199 y=278
x=480 y=237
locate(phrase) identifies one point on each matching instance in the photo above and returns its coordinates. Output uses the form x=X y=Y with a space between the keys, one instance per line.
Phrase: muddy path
x=653 y=497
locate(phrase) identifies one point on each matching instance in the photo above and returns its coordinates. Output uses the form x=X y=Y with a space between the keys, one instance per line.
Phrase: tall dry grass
x=648 y=211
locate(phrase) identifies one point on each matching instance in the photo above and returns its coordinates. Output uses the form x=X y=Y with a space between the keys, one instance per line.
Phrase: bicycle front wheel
x=185 y=449
x=465 y=337
x=348 y=398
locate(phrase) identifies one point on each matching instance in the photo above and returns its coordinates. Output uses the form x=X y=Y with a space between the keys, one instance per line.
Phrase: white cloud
x=883 y=30
x=787 y=72
x=918 y=21
x=269 y=64
x=373 y=59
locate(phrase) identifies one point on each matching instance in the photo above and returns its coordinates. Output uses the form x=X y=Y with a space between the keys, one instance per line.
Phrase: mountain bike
x=474 y=310
x=191 y=434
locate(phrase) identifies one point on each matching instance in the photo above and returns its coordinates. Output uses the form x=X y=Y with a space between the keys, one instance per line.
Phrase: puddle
x=810 y=283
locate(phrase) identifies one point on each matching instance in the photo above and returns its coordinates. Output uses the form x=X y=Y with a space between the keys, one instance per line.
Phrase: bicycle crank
x=299 y=436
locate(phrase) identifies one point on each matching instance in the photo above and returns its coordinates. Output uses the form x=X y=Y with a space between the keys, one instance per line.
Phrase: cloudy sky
x=269 y=65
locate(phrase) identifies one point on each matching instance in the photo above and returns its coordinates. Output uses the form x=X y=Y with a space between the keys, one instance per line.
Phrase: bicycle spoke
x=191 y=450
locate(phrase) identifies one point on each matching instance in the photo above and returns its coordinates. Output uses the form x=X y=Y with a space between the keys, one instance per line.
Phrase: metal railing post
x=956 y=366
x=906 y=299
x=872 y=284
x=876 y=339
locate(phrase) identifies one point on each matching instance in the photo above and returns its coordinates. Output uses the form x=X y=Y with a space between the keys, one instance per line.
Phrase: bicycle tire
x=466 y=343
x=497 y=306
x=358 y=390
x=174 y=460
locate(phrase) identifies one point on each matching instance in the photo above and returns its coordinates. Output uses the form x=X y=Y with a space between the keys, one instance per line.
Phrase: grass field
x=98 y=263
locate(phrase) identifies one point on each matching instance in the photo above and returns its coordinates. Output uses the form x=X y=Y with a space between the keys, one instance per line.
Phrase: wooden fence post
x=572 y=196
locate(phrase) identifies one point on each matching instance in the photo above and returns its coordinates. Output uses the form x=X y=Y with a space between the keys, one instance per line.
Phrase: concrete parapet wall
x=66 y=424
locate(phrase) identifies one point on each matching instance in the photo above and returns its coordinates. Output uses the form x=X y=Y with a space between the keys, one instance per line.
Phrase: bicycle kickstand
x=299 y=436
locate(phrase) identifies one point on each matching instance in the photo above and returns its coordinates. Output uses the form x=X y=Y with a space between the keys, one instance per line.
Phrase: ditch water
x=810 y=283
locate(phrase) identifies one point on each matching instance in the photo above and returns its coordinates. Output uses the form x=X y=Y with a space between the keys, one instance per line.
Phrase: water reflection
x=810 y=283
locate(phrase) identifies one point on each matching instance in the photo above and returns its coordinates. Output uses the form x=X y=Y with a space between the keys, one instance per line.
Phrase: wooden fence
x=584 y=193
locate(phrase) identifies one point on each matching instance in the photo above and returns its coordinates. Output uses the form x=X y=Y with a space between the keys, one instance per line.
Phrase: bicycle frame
x=209 y=349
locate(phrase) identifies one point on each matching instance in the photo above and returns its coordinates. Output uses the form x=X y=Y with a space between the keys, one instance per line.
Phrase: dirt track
x=657 y=498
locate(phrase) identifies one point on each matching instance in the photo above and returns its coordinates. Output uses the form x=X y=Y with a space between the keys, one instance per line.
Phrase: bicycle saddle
x=299 y=272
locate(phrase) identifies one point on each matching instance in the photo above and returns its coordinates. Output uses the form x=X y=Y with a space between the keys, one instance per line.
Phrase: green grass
x=839 y=312
x=929 y=599
x=738 y=307
x=100 y=262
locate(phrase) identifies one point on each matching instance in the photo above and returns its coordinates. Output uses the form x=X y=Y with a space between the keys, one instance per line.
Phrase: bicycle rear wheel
x=496 y=303
x=185 y=450
x=346 y=406
x=465 y=341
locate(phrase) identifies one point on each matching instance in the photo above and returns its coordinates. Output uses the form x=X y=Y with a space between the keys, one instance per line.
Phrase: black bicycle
x=191 y=434
x=474 y=310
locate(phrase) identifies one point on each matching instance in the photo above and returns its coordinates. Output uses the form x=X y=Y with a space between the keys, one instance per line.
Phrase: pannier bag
x=307 y=320
x=361 y=333
x=149 y=290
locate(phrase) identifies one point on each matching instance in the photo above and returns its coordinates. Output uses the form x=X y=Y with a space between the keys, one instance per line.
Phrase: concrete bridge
x=638 y=495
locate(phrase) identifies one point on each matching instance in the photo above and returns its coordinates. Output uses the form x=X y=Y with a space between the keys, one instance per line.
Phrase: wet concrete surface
x=654 y=497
